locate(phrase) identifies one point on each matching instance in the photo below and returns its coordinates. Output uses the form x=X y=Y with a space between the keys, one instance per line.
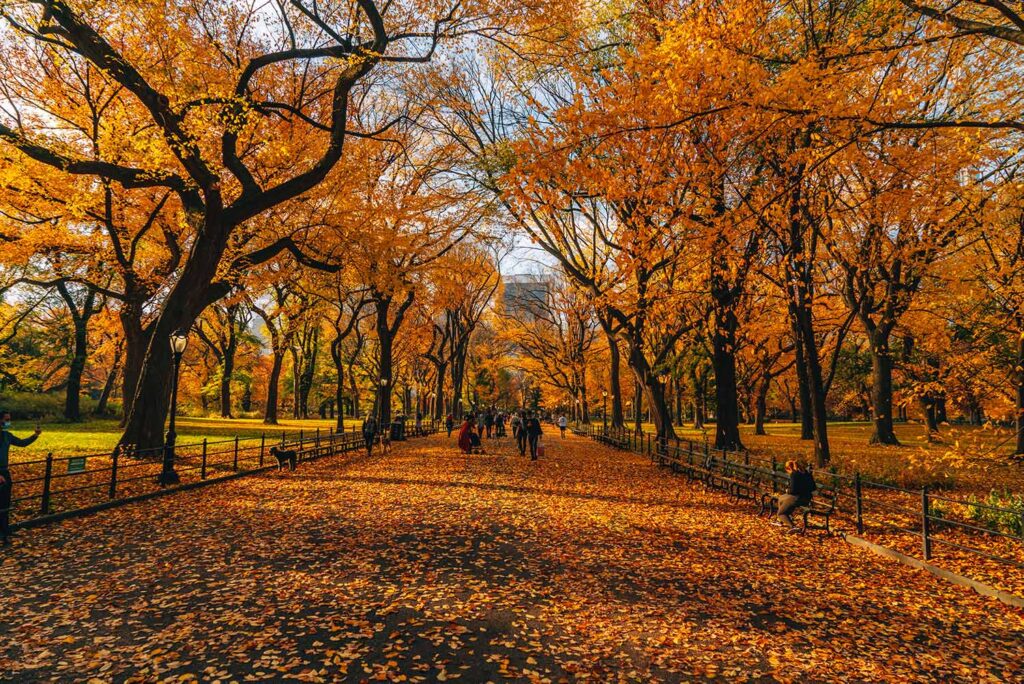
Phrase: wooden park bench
x=822 y=506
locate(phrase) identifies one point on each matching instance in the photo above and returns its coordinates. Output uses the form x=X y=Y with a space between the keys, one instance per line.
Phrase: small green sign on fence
x=76 y=464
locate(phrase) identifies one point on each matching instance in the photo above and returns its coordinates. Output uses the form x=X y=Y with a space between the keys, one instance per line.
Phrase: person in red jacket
x=469 y=440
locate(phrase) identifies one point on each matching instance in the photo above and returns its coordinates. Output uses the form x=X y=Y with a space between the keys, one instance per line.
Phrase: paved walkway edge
x=951 y=577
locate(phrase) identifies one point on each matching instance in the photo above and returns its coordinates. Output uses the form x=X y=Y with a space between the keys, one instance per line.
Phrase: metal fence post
x=926 y=543
x=263 y=443
x=318 y=439
x=113 y=473
x=860 y=502
x=202 y=467
x=44 y=506
x=235 y=464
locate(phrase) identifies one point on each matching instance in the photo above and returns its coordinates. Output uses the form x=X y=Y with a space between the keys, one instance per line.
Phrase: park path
x=590 y=565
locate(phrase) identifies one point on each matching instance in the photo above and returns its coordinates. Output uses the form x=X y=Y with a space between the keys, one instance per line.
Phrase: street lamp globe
x=179 y=342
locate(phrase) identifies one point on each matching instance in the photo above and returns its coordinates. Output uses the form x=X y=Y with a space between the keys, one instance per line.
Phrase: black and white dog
x=285 y=456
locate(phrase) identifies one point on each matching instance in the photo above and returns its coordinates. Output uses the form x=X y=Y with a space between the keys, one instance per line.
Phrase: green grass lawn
x=962 y=457
x=100 y=436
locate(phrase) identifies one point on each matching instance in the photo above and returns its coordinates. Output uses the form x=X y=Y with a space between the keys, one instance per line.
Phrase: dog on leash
x=289 y=456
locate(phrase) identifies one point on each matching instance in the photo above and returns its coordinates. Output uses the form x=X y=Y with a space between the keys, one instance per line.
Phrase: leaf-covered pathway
x=427 y=566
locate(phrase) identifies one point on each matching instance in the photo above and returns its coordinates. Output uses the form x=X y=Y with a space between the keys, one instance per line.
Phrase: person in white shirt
x=562 y=423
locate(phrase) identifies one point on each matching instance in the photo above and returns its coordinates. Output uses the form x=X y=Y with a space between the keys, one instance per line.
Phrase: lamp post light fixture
x=168 y=476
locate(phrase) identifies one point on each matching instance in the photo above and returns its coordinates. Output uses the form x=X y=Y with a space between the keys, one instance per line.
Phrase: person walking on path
x=369 y=433
x=520 y=431
x=533 y=433
x=801 y=489
x=449 y=423
x=499 y=425
x=563 y=422
x=489 y=422
x=7 y=440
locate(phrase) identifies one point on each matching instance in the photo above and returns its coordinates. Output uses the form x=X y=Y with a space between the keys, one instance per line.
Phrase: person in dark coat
x=449 y=423
x=519 y=428
x=7 y=440
x=533 y=433
x=799 y=494
x=369 y=433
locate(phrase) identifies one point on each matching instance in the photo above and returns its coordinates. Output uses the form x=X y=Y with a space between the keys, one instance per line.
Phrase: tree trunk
x=353 y=392
x=309 y=357
x=1019 y=423
x=80 y=349
x=144 y=427
x=384 y=349
x=339 y=387
x=727 y=421
x=815 y=380
x=458 y=375
x=108 y=386
x=73 y=395
x=654 y=390
x=677 y=393
x=761 y=404
x=273 y=389
x=613 y=382
x=698 y=400
x=227 y=370
x=803 y=386
x=136 y=341
x=246 y=401
x=637 y=408
x=439 y=393
x=930 y=411
x=191 y=294
x=881 y=389
x=296 y=380
x=583 y=402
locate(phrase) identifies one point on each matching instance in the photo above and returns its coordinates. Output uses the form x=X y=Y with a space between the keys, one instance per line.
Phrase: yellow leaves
x=427 y=566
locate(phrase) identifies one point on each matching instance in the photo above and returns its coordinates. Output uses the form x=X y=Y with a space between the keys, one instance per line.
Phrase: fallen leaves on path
x=590 y=565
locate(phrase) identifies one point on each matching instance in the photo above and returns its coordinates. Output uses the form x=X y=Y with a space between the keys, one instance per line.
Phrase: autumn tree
x=262 y=122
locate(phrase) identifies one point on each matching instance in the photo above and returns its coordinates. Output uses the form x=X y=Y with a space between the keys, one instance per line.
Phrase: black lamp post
x=604 y=409
x=380 y=408
x=168 y=476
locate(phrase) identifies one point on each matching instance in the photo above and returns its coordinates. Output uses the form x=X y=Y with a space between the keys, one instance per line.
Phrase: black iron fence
x=58 y=487
x=917 y=522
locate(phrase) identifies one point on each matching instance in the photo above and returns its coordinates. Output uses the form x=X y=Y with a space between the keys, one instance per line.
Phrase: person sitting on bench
x=801 y=489
x=469 y=440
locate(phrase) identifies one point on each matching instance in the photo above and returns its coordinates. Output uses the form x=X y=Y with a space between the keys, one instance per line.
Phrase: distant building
x=526 y=295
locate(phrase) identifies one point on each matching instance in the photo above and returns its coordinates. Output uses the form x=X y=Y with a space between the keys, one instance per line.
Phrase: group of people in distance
x=490 y=424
